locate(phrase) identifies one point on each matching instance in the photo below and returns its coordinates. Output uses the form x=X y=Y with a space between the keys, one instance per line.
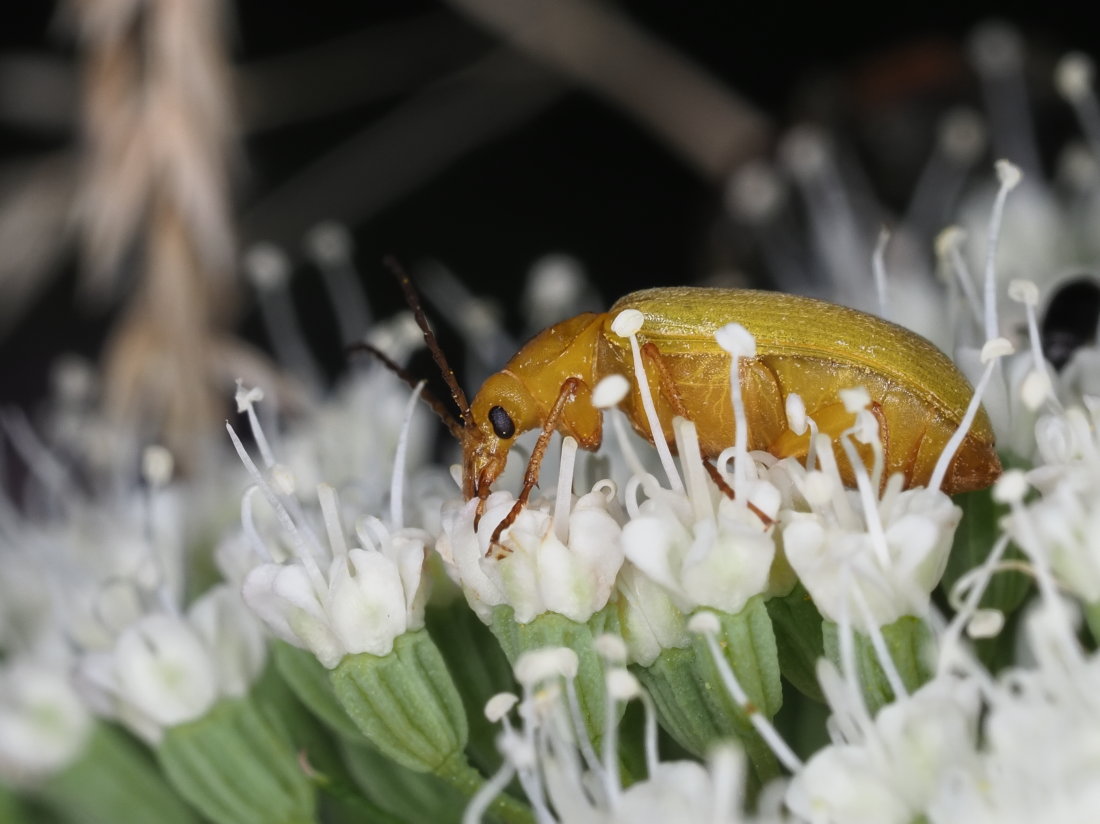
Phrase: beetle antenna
x=440 y=408
x=413 y=299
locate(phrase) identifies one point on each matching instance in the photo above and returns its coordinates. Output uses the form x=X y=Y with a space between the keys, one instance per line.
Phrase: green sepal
x=237 y=767
x=909 y=642
x=405 y=703
x=798 y=639
x=391 y=791
x=480 y=671
x=692 y=701
x=550 y=629
x=114 y=779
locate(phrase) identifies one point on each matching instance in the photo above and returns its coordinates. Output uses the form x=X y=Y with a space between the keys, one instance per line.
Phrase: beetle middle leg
x=569 y=389
x=667 y=386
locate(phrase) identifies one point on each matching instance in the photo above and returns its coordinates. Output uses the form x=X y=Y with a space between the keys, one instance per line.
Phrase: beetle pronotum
x=804 y=346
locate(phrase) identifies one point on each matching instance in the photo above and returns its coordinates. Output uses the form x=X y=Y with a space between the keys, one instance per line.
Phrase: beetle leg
x=480 y=510
x=668 y=388
x=665 y=382
x=727 y=490
x=531 y=477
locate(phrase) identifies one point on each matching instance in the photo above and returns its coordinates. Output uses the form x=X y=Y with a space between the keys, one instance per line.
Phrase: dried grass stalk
x=159 y=135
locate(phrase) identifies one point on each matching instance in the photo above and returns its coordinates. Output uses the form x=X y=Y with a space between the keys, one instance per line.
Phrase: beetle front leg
x=568 y=391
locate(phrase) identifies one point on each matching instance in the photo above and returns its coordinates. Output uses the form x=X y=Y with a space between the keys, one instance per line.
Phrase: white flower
x=1041 y=736
x=1064 y=524
x=869 y=560
x=541 y=572
x=700 y=547
x=81 y=576
x=358 y=600
x=887 y=770
x=43 y=723
x=232 y=636
x=166 y=669
x=333 y=600
x=650 y=620
x=682 y=792
x=719 y=561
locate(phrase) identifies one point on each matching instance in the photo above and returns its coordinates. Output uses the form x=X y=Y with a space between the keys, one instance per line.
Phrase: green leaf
x=798 y=639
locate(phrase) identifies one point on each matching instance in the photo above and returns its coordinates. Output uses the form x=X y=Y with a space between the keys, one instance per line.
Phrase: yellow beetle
x=803 y=346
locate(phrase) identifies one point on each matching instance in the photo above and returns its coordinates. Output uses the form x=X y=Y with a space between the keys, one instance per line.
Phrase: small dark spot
x=1070 y=320
x=502 y=423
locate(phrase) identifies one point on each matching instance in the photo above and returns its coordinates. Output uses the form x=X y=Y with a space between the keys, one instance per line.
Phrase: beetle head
x=502 y=409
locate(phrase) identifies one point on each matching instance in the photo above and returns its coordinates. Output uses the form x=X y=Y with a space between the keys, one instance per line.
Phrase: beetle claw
x=496 y=549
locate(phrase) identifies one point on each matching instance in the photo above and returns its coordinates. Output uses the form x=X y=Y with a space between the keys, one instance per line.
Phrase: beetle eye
x=502 y=423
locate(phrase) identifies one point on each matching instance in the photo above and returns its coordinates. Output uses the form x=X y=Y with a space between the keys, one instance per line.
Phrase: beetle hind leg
x=671 y=393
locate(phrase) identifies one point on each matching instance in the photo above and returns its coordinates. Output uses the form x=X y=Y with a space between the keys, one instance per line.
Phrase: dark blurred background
x=562 y=171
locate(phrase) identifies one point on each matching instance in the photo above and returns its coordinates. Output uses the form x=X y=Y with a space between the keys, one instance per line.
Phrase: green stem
x=459 y=774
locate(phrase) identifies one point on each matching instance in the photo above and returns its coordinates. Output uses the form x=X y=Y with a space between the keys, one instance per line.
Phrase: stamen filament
x=953 y=444
x=330 y=513
x=655 y=427
x=691 y=459
x=397 y=485
x=564 y=499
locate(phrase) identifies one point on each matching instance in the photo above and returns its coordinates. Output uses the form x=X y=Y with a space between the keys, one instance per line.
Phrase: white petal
x=652 y=543
x=258 y=592
x=306 y=616
x=163 y=669
x=233 y=636
x=366 y=607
